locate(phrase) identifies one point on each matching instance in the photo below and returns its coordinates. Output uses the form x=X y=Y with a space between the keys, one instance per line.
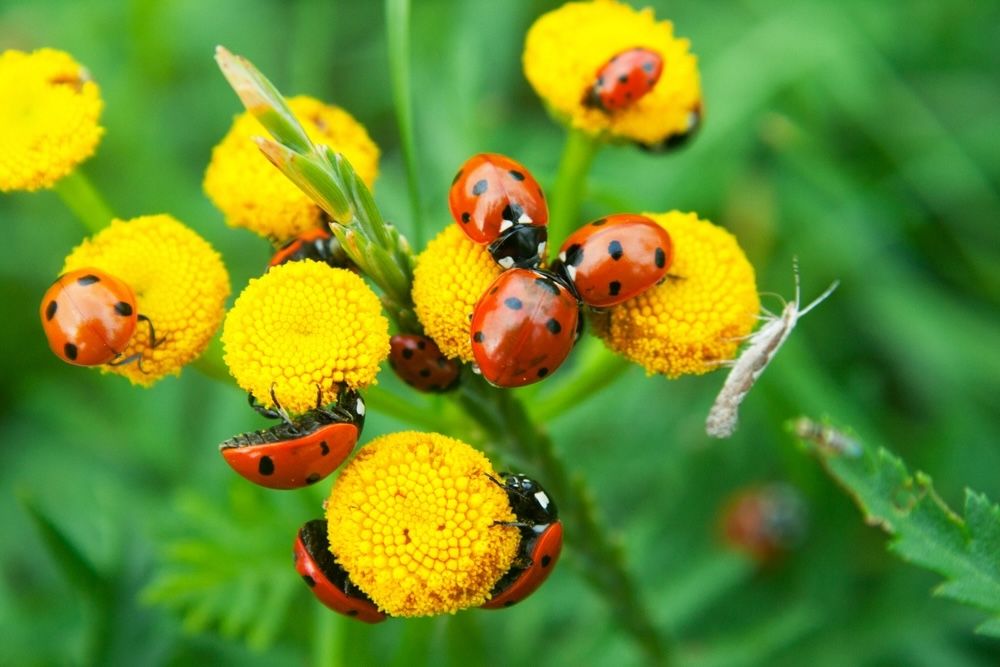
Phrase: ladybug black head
x=530 y=502
x=522 y=246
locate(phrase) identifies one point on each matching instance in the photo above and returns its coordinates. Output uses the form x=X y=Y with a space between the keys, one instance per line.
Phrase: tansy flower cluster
x=253 y=194
x=48 y=119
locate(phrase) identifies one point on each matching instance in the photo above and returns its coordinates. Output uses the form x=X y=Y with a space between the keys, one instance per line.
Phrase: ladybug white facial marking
x=506 y=224
x=542 y=499
x=764 y=344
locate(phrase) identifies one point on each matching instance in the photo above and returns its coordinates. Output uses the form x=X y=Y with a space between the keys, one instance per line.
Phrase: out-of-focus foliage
x=860 y=136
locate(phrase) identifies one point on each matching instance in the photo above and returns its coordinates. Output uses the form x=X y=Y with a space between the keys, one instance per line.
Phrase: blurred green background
x=863 y=137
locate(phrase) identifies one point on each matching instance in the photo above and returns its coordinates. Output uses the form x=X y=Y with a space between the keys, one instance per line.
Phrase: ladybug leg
x=137 y=357
x=270 y=413
x=153 y=342
x=282 y=413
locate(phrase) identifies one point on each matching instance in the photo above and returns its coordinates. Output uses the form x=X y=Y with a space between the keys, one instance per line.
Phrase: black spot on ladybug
x=614 y=287
x=553 y=326
x=480 y=187
x=70 y=350
x=421 y=345
x=623 y=78
x=466 y=217
x=598 y=223
x=543 y=371
x=648 y=66
x=546 y=560
x=425 y=372
x=512 y=212
x=547 y=284
x=123 y=309
x=265 y=466
x=324 y=448
x=574 y=255
x=478 y=337
x=518 y=176
x=661 y=258
x=457 y=176
x=615 y=250
x=50 y=310
x=513 y=303
x=353 y=612
x=494 y=290
x=442 y=362
x=309 y=581
x=600 y=81
x=88 y=279
x=407 y=353
x=509 y=603
x=313 y=478
x=540 y=193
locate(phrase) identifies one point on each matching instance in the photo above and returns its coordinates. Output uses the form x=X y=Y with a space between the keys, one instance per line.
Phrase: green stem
x=392 y=405
x=86 y=203
x=567 y=194
x=597 y=369
x=211 y=364
x=509 y=424
x=328 y=638
x=397 y=21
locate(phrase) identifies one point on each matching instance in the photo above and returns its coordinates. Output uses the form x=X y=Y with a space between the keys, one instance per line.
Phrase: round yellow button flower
x=180 y=284
x=302 y=327
x=566 y=47
x=413 y=521
x=48 y=118
x=252 y=193
x=695 y=319
x=450 y=276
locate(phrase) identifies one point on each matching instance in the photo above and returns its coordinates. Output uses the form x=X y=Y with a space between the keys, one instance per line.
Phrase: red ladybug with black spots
x=523 y=327
x=496 y=200
x=89 y=316
x=615 y=258
x=418 y=362
x=625 y=79
x=298 y=452
x=327 y=579
x=317 y=244
x=541 y=541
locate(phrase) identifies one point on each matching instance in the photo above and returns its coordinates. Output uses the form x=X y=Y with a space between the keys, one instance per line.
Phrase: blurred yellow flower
x=49 y=112
x=302 y=326
x=413 y=519
x=695 y=319
x=180 y=284
x=566 y=47
x=252 y=193
x=450 y=276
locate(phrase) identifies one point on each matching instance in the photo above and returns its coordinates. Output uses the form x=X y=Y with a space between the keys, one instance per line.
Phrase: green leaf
x=926 y=532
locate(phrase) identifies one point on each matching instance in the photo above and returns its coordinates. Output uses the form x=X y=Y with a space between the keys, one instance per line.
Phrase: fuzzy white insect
x=763 y=345
x=827 y=438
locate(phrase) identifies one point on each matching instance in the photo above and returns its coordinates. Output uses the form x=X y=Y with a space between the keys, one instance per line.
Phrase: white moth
x=827 y=438
x=763 y=345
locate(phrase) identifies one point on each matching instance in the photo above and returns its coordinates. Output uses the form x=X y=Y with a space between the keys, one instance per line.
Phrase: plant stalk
x=567 y=194
x=82 y=198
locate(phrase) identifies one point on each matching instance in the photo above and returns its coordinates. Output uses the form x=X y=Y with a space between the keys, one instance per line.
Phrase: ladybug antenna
x=496 y=481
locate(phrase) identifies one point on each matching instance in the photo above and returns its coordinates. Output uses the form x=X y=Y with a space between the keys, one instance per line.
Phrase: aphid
x=764 y=344
x=827 y=437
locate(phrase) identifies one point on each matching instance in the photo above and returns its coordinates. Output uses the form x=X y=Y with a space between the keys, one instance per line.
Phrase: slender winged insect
x=763 y=345
x=827 y=438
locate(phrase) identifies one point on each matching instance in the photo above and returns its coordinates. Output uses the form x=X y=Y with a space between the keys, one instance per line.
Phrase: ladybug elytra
x=418 y=362
x=624 y=80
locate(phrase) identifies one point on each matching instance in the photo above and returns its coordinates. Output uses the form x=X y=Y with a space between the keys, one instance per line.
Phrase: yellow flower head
x=413 y=520
x=48 y=118
x=565 y=49
x=302 y=326
x=450 y=276
x=252 y=193
x=180 y=284
x=695 y=319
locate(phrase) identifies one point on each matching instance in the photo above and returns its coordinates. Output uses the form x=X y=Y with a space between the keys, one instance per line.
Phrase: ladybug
x=615 y=258
x=678 y=139
x=327 y=579
x=299 y=452
x=89 y=317
x=523 y=327
x=764 y=522
x=495 y=200
x=541 y=541
x=317 y=244
x=623 y=80
x=419 y=363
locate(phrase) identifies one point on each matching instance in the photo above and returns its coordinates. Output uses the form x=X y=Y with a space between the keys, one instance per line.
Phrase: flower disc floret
x=695 y=319
x=566 y=47
x=48 y=118
x=414 y=520
x=252 y=193
x=450 y=276
x=302 y=327
x=180 y=284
